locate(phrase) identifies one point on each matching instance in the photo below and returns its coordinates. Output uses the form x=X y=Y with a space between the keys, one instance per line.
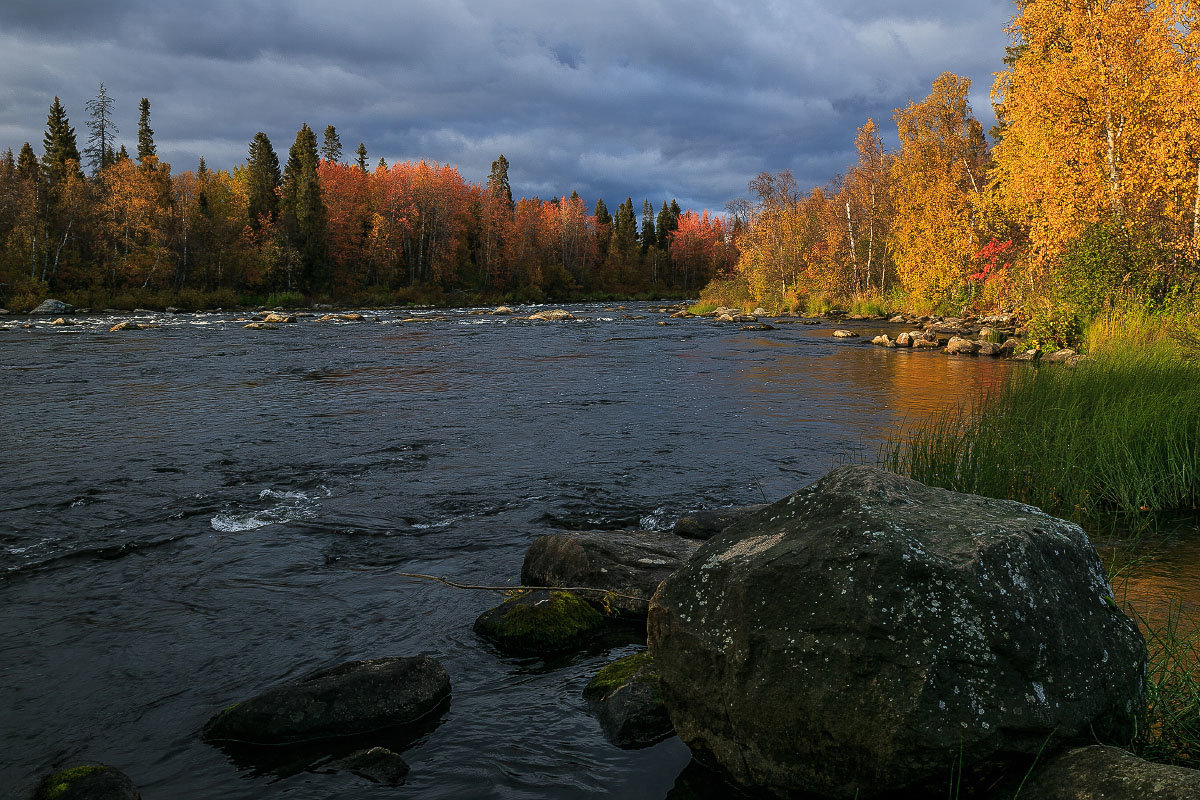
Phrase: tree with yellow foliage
x=937 y=178
x=1101 y=122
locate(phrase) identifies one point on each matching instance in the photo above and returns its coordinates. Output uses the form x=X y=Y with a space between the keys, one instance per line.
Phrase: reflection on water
x=193 y=513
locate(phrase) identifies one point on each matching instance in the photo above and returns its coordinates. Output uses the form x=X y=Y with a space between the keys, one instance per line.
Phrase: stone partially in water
x=844 y=334
x=376 y=764
x=626 y=698
x=55 y=307
x=960 y=346
x=277 y=319
x=553 y=315
x=353 y=698
x=707 y=524
x=539 y=623
x=1108 y=773
x=261 y=326
x=865 y=633
x=87 y=782
x=631 y=563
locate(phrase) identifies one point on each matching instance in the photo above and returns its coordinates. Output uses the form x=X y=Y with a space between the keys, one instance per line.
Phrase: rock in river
x=87 y=782
x=1109 y=773
x=353 y=698
x=707 y=524
x=625 y=697
x=540 y=623
x=867 y=632
x=631 y=563
x=55 y=307
x=960 y=346
x=376 y=764
x=844 y=334
x=553 y=315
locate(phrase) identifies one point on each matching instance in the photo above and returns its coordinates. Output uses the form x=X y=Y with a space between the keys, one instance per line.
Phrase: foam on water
x=295 y=506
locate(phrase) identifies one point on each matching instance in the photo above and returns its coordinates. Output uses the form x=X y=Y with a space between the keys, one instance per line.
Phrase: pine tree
x=122 y=154
x=331 y=147
x=664 y=226
x=382 y=163
x=649 y=238
x=60 y=156
x=201 y=168
x=27 y=165
x=262 y=168
x=497 y=182
x=146 y=147
x=103 y=133
x=601 y=213
x=304 y=213
x=361 y=152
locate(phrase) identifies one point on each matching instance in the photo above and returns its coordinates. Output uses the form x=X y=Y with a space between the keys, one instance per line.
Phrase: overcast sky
x=611 y=98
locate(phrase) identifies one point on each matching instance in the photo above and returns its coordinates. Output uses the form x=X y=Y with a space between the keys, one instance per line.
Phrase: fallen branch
x=577 y=589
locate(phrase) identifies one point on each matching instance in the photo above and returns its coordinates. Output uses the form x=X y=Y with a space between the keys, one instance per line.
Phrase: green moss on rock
x=539 y=623
x=86 y=782
x=620 y=672
x=53 y=786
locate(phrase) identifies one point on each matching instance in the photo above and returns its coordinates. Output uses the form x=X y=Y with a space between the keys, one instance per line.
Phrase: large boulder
x=707 y=524
x=867 y=632
x=626 y=698
x=87 y=782
x=1109 y=773
x=353 y=698
x=960 y=346
x=55 y=307
x=630 y=564
x=540 y=623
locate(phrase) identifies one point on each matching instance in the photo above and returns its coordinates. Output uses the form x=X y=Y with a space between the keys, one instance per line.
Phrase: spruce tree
x=102 y=137
x=146 y=147
x=382 y=163
x=304 y=211
x=497 y=182
x=28 y=168
x=601 y=213
x=649 y=238
x=122 y=154
x=331 y=147
x=361 y=152
x=60 y=156
x=262 y=168
x=664 y=227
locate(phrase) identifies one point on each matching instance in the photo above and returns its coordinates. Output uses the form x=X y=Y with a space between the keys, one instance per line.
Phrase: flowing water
x=193 y=513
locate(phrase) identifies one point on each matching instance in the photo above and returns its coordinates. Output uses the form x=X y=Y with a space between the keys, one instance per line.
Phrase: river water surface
x=193 y=513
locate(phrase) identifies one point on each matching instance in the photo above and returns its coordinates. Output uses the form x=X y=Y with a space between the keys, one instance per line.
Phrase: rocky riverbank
x=863 y=637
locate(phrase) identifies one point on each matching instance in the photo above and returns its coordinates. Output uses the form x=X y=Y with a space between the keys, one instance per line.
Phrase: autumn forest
x=1085 y=194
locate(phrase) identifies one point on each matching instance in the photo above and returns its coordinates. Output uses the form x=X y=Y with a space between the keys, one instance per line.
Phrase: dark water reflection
x=194 y=513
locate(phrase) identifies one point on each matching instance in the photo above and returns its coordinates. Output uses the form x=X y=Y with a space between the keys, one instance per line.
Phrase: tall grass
x=1119 y=433
x=1170 y=730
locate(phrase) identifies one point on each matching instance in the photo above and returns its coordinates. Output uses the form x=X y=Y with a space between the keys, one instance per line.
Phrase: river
x=193 y=513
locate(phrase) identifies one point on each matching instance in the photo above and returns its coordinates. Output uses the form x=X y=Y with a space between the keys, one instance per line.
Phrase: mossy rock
x=627 y=699
x=540 y=623
x=87 y=782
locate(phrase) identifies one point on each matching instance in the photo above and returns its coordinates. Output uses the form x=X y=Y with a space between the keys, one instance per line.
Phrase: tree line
x=317 y=226
x=1088 y=195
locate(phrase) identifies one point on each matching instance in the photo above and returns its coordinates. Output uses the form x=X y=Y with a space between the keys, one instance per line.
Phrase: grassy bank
x=1118 y=434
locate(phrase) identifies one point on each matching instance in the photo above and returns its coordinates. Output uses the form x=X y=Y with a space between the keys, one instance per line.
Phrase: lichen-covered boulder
x=87 y=782
x=540 y=623
x=631 y=564
x=553 y=315
x=1108 y=773
x=867 y=632
x=626 y=698
x=707 y=524
x=350 y=699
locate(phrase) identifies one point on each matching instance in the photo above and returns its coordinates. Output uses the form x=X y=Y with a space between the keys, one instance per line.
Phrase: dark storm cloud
x=642 y=99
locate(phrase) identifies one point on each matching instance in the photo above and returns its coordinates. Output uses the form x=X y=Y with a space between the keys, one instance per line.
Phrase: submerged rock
x=707 y=524
x=261 y=326
x=503 y=311
x=758 y=326
x=631 y=563
x=540 y=623
x=864 y=633
x=376 y=764
x=129 y=325
x=53 y=307
x=1109 y=773
x=626 y=698
x=553 y=315
x=353 y=698
x=87 y=782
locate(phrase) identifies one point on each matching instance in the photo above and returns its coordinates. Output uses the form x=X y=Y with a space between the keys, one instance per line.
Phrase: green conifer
x=331 y=146
x=146 y=146
x=262 y=169
x=304 y=213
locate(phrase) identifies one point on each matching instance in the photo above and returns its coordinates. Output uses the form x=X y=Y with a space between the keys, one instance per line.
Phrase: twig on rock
x=456 y=585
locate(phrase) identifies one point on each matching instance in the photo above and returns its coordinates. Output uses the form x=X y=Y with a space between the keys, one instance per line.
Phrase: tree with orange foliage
x=698 y=248
x=937 y=178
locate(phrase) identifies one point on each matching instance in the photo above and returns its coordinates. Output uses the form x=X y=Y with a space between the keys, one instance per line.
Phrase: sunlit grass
x=1119 y=433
